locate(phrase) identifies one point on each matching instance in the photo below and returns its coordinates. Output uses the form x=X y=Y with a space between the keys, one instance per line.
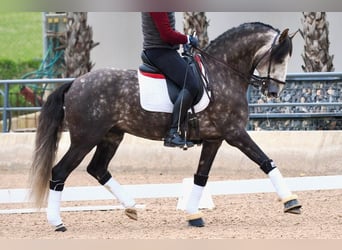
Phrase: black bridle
x=254 y=80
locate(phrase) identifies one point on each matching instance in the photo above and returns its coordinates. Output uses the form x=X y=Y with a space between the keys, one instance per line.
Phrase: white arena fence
x=174 y=190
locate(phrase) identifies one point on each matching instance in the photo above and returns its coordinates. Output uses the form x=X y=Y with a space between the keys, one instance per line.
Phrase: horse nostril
x=272 y=94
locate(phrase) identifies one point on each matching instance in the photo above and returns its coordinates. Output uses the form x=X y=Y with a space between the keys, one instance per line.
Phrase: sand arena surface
x=247 y=216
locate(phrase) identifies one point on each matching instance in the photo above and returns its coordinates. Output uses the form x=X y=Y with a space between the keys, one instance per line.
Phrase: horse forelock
x=281 y=50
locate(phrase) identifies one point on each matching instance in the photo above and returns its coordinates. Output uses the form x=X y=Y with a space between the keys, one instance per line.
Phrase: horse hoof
x=131 y=213
x=294 y=211
x=292 y=207
x=60 y=228
x=196 y=222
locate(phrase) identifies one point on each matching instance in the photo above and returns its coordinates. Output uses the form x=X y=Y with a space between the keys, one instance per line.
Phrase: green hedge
x=15 y=70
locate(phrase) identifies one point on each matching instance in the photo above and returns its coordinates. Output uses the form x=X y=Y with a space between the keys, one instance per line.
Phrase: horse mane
x=246 y=27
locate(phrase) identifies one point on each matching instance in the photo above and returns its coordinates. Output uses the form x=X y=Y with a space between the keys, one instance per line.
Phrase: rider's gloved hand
x=186 y=48
x=193 y=41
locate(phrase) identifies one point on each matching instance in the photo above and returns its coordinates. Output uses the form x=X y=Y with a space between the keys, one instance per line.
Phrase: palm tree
x=316 y=43
x=197 y=22
x=78 y=42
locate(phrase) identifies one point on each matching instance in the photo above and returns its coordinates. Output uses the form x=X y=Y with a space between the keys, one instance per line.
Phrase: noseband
x=264 y=82
x=254 y=80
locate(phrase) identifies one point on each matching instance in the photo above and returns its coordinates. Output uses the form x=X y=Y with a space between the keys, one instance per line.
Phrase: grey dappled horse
x=101 y=106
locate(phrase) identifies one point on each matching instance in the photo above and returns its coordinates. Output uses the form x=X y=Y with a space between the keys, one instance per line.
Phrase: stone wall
x=319 y=107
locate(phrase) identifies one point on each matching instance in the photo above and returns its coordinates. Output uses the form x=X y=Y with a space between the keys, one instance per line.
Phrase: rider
x=161 y=42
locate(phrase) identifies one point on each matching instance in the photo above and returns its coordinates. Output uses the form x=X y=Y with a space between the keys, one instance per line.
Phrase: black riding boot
x=180 y=109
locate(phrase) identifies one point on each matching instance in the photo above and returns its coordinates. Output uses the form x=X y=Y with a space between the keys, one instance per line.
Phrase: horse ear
x=283 y=35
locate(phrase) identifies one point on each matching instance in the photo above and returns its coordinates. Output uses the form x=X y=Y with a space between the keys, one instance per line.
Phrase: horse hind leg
x=98 y=168
x=60 y=172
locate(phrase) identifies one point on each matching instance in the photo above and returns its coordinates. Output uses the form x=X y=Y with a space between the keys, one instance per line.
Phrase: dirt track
x=251 y=216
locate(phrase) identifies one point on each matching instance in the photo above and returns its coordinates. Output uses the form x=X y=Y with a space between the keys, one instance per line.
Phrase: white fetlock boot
x=194 y=217
x=290 y=201
x=53 y=210
x=116 y=189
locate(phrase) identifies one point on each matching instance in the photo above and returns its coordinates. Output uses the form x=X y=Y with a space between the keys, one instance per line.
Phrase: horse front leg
x=244 y=142
x=208 y=153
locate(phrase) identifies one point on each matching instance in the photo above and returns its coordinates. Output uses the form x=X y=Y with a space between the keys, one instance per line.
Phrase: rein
x=253 y=79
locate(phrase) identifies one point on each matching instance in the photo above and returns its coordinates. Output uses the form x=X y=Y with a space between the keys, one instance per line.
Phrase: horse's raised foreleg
x=60 y=173
x=244 y=142
x=208 y=153
x=98 y=168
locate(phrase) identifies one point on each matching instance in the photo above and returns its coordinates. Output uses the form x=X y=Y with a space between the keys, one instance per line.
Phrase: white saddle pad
x=155 y=97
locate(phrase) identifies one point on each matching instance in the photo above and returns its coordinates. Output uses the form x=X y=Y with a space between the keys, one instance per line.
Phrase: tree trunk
x=197 y=22
x=79 y=42
x=316 y=43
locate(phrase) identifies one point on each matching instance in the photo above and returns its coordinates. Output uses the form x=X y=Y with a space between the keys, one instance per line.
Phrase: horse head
x=272 y=64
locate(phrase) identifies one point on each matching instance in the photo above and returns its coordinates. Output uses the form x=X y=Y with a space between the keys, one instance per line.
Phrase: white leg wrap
x=279 y=184
x=53 y=209
x=116 y=189
x=194 y=199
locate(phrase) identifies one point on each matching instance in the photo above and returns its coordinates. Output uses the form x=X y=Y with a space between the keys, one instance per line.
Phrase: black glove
x=193 y=41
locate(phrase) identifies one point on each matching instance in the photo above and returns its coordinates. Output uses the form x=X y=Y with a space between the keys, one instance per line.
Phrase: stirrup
x=175 y=140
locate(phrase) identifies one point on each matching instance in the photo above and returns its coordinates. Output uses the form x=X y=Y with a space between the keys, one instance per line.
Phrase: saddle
x=158 y=93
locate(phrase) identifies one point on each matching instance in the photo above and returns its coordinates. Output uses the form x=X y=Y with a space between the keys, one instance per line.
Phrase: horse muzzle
x=272 y=87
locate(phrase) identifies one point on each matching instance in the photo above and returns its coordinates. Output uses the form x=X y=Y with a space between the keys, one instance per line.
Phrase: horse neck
x=240 y=51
